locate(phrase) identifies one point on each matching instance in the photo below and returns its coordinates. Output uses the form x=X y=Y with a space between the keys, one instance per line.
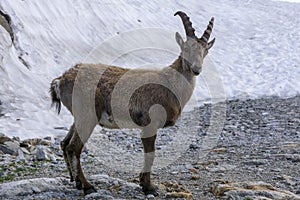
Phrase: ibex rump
x=172 y=96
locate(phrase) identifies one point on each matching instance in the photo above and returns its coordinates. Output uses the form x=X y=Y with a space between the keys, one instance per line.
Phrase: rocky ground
x=241 y=149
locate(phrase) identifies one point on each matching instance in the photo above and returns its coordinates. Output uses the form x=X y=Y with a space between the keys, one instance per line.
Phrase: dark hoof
x=89 y=190
x=78 y=185
x=152 y=191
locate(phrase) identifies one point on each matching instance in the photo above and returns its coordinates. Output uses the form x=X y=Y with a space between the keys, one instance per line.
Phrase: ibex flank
x=97 y=94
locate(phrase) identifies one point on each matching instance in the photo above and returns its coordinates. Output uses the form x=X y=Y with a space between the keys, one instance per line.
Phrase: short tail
x=55 y=94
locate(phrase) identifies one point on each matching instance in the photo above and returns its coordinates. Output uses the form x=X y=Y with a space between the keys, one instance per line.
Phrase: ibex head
x=194 y=49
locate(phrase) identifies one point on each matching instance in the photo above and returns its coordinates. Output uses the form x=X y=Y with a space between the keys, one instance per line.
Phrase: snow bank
x=256 y=52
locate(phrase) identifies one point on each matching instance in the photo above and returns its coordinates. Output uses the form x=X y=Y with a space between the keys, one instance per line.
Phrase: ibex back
x=99 y=94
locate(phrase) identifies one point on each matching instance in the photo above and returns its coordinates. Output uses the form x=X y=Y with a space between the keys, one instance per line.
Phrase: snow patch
x=255 y=52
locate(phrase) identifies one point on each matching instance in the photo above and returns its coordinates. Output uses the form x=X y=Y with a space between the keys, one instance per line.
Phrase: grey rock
x=252 y=190
x=36 y=189
x=20 y=157
x=255 y=162
x=41 y=154
x=45 y=142
x=9 y=146
x=16 y=189
x=194 y=146
x=150 y=197
x=5 y=23
x=4 y=138
x=32 y=142
x=48 y=138
x=16 y=139
x=25 y=150
x=101 y=194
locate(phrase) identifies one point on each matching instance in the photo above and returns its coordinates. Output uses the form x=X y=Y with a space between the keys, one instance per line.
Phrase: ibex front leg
x=149 y=155
x=158 y=117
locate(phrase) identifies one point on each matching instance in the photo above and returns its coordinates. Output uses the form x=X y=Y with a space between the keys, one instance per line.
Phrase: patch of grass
x=8 y=177
x=248 y=198
x=32 y=170
x=35 y=162
x=88 y=162
x=19 y=170
x=11 y=164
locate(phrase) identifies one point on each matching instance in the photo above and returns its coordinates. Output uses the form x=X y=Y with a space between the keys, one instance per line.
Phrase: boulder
x=8 y=146
x=41 y=154
x=251 y=190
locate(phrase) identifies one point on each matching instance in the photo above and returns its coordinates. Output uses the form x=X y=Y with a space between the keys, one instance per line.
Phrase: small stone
x=20 y=157
x=255 y=162
x=175 y=195
x=53 y=158
x=129 y=146
x=47 y=138
x=195 y=177
x=217 y=169
x=35 y=190
x=289 y=180
x=45 y=143
x=16 y=139
x=295 y=158
x=193 y=170
x=193 y=146
x=25 y=150
x=41 y=154
x=150 y=197
x=4 y=138
x=25 y=145
x=33 y=142
x=222 y=149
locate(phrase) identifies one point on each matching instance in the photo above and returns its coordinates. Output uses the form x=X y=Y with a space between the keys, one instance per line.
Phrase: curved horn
x=207 y=32
x=189 y=30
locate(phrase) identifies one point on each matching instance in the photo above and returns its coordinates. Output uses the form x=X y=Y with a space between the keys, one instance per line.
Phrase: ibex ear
x=179 y=40
x=211 y=43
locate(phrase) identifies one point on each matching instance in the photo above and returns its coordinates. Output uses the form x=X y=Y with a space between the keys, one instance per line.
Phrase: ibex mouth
x=195 y=71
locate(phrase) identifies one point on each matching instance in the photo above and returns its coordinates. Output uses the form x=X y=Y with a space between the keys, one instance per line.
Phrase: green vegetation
x=7 y=177
x=11 y=170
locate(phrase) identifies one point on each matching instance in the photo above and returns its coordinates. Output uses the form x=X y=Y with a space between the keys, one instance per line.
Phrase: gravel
x=255 y=155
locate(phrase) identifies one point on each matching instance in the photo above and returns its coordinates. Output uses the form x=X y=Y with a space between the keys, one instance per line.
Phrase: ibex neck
x=178 y=66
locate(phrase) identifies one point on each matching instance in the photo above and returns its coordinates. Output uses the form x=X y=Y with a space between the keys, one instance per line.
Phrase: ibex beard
x=116 y=97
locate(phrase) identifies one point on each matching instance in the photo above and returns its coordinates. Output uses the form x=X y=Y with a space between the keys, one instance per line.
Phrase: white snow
x=256 y=53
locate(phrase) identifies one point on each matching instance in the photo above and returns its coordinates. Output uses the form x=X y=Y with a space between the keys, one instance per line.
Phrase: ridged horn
x=207 y=32
x=189 y=30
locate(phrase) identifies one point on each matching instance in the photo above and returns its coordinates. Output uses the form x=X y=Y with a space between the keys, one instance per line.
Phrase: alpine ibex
x=116 y=97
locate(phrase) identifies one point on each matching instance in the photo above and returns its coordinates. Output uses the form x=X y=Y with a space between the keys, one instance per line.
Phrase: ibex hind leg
x=63 y=145
x=74 y=150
